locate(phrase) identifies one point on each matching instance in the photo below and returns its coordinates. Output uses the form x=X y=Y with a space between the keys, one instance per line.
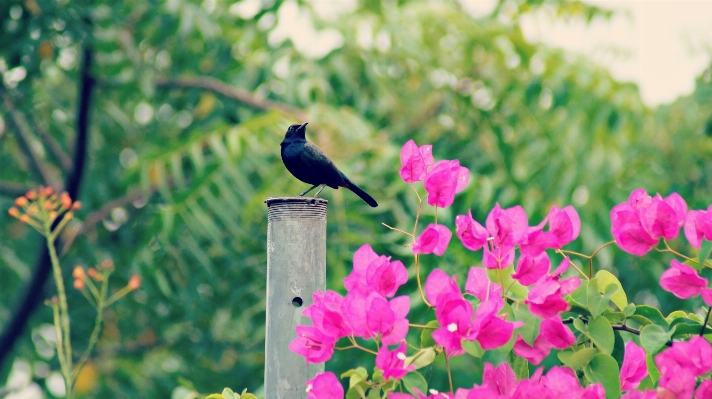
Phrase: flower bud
x=65 y=200
x=14 y=212
x=78 y=272
x=77 y=205
x=107 y=264
x=69 y=216
x=21 y=201
x=134 y=282
x=25 y=218
x=32 y=194
x=79 y=284
x=48 y=191
x=48 y=205
x=91 y=272
x=53 y=215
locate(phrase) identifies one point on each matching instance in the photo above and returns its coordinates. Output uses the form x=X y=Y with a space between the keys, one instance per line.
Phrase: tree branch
x=235 y=93
x=24 y=135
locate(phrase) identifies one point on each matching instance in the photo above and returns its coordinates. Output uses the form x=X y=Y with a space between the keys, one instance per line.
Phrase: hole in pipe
x=297 y=302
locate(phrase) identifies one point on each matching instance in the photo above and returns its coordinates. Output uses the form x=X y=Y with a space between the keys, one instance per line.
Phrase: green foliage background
x=178 y=170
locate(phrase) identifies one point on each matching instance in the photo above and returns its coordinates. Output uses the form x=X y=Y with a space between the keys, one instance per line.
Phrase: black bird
x=309 y=164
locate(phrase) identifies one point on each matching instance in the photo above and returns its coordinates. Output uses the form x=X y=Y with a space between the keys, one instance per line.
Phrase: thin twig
x=64 y=159
x=235 y=93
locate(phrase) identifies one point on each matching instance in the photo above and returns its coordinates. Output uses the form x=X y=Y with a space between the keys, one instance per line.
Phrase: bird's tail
x=364 y=196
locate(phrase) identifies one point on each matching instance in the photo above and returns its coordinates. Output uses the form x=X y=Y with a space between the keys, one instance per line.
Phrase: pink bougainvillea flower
x=455 y=317
x=371 y=314
x=326 y=316
x=488 y=328
x=564 y=227
x=682 y=280
x=531 y=268
x=546 y=300
x=324 y=386
x=694 y=355
x=434 y=239
x=415 y=161
x=663 y=217
x=372 y=271
x=707 y=296
x=501 y=380
x=676 y=383
x=393 y=362
x=640 y=395
x=445 y=179
x=440 y=284
x=704 y=391
x=638 y=224
x=698 y=225
x=312 y=344
x=477 y=284
x=533 y=353
x=419 y=395
x=556 y=333
x=498 y=258
x=634 y=368
x=471 y=233
x=508 y=227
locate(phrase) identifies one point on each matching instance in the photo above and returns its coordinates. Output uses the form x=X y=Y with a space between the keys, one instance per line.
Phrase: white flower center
x=452 y=327
x=309 y=387
x=400 y=355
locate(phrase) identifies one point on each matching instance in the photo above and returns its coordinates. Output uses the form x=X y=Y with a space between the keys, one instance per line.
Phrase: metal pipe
x=296 y=268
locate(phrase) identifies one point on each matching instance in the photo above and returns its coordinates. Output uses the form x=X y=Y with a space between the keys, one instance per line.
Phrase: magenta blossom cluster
x=459 y=321
x=368 y=310
x=638 y=225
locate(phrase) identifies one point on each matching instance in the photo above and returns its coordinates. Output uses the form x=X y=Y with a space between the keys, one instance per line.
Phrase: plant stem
x=449 y=374
x=704 y=325
x=64 y=339
x=94 y=338
x=420 y=286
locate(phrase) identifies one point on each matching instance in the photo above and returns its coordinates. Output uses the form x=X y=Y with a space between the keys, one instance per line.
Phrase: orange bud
x=53 y=215
x=66 y=201
x=32 y=194
x=32 y=209
x=21 y=201
x=14 y=212
x=134 y=282
x=79 y=284
x=48 y=205
x=92 y=272
x=25 y=218
x=69 y=216
x=77 y=205
x=78 y=272
x=48 y=191
x=107 y=264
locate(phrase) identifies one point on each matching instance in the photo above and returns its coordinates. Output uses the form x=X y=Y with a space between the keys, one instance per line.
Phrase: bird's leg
x=318 y=191
x=311 y=188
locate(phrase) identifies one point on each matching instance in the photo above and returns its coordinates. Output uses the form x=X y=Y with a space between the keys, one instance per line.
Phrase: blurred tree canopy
x=186 y=102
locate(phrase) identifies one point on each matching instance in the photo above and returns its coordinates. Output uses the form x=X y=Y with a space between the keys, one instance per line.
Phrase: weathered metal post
x=296 y=268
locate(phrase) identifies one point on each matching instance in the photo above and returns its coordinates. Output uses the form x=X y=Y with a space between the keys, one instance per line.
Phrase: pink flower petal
x=556 y=333
x=477 y=283
x=534 y=353
x=532 y=268
x=471 y=233
x=324 y=386
x=682 y=280
x=634 y=368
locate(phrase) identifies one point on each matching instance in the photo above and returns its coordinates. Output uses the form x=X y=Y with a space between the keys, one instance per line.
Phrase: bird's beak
x=303 y=126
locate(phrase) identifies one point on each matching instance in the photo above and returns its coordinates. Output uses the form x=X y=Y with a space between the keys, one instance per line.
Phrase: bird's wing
x=318 y=161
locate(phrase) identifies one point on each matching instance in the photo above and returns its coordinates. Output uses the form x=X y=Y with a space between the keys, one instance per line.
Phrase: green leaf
x=653 y=371
x=653 y=338
x=355 y=376
x=426 y=336
x=629 y=310
x=651 y=314
x=374 y=393
x=505 y=275
x=597 y=301
x=599 y=331
x=421 y=358
x=684 y=326
x=414 y=380
x=579 y=297
x=614 y=317
x=605 y=279
x=530 y=330
x=520 y=366
x=704 y=253
x=357 y=391
x=618 y=347
x=578 y=359
x=675 y=315
x=604 y=369
x=473 y=348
